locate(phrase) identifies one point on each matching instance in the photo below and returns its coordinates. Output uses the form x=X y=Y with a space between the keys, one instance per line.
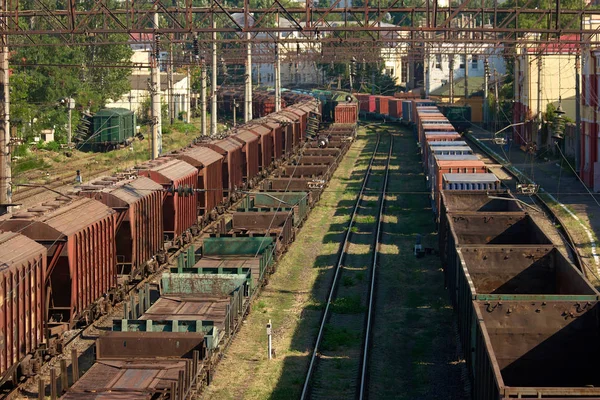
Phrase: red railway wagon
x=294 y=121
x=138 y=203
x=209 y=166
x=265 y=148
x=287 y=128
x=233 y=163
x=434 y=136
x=23 y=264
x=179 y=206
x=452 y=167
x=434 y=126
x=423 y=104
x=250 y=151
x=382 y=104
x=346 y=113
x=279 y=132
x=366 y=102
x=79 y=234
x=395 y=109
x=303 y=115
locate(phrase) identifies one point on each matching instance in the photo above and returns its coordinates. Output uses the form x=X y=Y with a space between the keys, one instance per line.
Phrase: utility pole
x=277 y=70
x=188 y=102
x=497 y=101
x=539 y=96
x=213 y=98
x=234 y=112
x=171 y=104
x=577 y=110
x=451 y=77
x=155 y=90
x=248 y=104
x=466 y=74
x=203 y=121
x=5 y=167
x=486 y=71
x=70 y=107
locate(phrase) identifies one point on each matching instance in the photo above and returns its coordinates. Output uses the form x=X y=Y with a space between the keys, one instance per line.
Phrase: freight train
x=527 y=317
x=68 y=261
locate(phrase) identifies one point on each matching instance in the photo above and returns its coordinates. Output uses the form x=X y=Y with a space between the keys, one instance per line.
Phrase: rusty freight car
x=180 y=180
x=139 y=229
x=234 y=163
x=79 y=234
x=22 y=268
x=251 y=154
x=209 y=164
x=266 y=145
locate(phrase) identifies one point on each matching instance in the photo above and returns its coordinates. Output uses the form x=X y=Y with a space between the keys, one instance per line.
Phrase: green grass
x=334 y=338
x=347 y=305
x=28 y=164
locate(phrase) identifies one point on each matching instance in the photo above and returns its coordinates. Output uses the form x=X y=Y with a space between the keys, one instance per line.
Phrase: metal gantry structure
x=332 y=33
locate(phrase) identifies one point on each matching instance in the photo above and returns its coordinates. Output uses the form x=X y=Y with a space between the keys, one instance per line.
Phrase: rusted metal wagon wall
x=79 y=234
x=536 y=349
x=233 y=164
x=251 y=152
x=209 y=165
x=179 y=206
x=23 y=264
x=266 y=145
x=139 y=228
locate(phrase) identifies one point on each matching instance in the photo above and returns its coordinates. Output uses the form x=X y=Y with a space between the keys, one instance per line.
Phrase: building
x=460 y=60
x=140 y=87
x=544 y=75
x=589 y=144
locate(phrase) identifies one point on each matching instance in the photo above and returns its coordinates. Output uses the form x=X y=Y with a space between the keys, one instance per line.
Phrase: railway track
x=349 y=308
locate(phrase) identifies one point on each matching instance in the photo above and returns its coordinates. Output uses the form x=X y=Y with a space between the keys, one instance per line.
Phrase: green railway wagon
x=112 y=127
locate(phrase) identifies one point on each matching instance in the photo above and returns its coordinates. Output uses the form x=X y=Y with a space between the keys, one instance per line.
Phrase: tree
x=53 y=69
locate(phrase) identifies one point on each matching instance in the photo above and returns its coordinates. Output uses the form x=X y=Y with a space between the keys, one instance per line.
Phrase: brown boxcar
x=265 y=148
x=209 y=164
x=79 y=234
x=233 y=163
x=395 y=109
x=139 y=226
x=179 y=207
x=278 y=133
x=296 y=119
x=292 y=124
x=22 y=268
x=303 y=115
x=286 y=127
x=251 y=152
x=346 y=113
x=382 y=105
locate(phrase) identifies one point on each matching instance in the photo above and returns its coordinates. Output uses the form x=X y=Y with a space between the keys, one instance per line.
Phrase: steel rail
x=343 y=250
x=365 y=359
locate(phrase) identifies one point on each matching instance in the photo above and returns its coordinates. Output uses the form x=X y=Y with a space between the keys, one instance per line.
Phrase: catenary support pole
x=213 y=91
x=5 y=161
x=155 y=90
x=203 y=119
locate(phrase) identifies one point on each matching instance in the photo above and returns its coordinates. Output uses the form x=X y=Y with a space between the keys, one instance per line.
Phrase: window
x=474 y=61
x=463 y=61
x=438 y=61
x=389 y=71
x=404 y=77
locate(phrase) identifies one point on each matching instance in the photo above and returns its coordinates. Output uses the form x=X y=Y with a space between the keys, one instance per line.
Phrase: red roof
x=559 y=47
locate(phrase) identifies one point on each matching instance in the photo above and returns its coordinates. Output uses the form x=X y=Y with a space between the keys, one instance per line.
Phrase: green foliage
x=334 y=338
x=347 y=305
x=54 y=70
